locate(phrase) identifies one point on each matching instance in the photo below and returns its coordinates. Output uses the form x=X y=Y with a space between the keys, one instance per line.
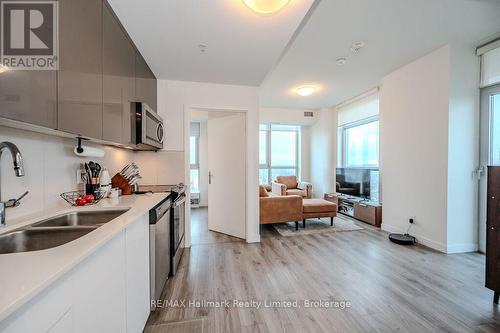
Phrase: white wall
x=463 y=154
x=414 y=103
x=177 y=98
x=428 y=120
x=287 y=116
x=305 y=153
x=50 y=167
x=324 y=152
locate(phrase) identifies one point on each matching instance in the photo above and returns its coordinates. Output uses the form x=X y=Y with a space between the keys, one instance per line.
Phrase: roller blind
x=490 y=63
x=361 y=108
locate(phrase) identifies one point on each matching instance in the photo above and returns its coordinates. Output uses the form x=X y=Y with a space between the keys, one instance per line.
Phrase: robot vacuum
x=402 y=239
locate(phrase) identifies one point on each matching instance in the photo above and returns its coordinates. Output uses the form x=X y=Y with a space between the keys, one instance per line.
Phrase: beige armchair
x=289 y=185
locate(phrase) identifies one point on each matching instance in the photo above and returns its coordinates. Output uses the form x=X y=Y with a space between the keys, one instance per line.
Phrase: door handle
x=209 y=177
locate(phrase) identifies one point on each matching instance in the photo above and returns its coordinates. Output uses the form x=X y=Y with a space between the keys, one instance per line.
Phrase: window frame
x=343 y=145
x=268 y=165
x=196 y=165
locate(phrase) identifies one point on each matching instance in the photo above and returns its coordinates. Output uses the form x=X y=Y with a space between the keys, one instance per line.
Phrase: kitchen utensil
x=97 y=170
x=92 y=169
x=89 y=173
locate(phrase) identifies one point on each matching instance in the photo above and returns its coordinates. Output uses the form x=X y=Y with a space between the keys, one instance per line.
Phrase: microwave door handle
x=162 y=136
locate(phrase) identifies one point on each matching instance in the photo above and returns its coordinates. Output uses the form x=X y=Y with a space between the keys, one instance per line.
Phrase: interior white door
x=489 y=150
x=227 y=173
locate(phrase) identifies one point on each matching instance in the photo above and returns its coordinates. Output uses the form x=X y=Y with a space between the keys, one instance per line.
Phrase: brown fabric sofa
x=289 y=185
x=279 y=209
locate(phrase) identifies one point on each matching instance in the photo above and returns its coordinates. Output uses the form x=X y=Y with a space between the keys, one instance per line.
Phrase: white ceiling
x=242 y=46
x=396 y=32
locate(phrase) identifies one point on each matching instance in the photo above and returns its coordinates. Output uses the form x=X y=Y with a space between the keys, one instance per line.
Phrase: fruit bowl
x=71 y=197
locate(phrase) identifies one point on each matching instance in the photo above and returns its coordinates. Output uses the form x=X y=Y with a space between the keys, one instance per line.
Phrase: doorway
x=217 y=175
x=489 y=150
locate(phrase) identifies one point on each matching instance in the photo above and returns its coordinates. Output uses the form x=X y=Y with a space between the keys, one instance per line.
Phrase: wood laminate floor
x=390 y=288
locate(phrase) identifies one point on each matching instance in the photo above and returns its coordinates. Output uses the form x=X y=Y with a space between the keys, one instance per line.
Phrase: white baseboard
x=462 y=248
x=421 y=240
x=445 y=248
x=253 y=239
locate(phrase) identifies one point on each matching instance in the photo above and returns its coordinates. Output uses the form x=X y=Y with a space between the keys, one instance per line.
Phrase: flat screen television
x=358 y=182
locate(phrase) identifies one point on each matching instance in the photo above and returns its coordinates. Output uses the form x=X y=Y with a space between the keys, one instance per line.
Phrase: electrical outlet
x=411 y=219
x=79 y=176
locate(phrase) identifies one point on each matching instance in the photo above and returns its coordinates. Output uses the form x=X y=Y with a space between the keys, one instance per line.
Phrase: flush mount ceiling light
x=357 y=46
x=305 y=90
x=265 y=6
x=341 y=61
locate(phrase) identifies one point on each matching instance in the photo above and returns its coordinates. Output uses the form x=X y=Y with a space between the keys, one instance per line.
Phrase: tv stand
x=361 y=209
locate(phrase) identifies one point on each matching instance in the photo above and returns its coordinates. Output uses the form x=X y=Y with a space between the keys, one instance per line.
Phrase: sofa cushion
x=289 y=181
x=263 y=191
x=318 y=206
x=302 y=193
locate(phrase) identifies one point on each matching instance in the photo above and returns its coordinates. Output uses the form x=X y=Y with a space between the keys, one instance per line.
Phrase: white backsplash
x=50 y=168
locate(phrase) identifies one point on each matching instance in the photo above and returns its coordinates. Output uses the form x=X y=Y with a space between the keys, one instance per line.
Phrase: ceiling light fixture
x=265 y=6
x=357 y=46
x=341 y=61
x=305 y=90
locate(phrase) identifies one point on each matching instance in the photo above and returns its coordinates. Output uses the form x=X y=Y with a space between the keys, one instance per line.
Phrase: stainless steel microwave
x=147 y=127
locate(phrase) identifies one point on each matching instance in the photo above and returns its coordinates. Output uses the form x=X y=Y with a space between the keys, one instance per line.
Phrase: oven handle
x=180 y=202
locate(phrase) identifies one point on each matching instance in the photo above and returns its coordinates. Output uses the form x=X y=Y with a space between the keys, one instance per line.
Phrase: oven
x=178 y=220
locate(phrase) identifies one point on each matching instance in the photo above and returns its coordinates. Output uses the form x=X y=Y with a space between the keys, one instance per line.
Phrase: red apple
x=80 y=202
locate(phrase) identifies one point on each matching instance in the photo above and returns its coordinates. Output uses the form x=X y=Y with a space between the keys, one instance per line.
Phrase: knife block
x=122 y=183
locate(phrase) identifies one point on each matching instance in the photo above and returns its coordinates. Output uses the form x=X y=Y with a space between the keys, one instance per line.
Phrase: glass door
x=489 y=150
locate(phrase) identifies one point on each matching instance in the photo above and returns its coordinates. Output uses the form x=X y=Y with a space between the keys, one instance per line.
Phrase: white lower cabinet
x=137 y=274
x=108 y=292
x=99 y=290
x=43 y=312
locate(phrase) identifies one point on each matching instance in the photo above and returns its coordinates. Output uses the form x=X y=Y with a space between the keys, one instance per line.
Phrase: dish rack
x=71 y=196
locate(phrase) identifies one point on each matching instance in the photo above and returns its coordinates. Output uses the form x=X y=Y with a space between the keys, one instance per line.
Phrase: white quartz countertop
x=24 y=275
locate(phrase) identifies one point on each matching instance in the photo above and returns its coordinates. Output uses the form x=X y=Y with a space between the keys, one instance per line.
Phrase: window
x=358 y=132
x=361 y=144
x=194 y=163
x=278 y=151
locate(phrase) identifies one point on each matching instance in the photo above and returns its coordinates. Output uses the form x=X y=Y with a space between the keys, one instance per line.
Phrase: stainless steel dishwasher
x=159 y=248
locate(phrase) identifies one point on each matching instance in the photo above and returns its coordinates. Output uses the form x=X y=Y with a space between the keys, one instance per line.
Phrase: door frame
x=484 y=160
x=187 y=176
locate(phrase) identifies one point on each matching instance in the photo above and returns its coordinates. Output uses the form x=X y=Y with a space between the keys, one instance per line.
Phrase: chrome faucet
x=17 y=158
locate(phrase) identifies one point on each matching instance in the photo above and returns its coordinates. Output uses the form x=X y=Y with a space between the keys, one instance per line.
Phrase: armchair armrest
x=278 y=189
x=307 y=187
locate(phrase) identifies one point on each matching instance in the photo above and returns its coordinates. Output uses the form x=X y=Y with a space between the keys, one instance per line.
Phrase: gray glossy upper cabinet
x=118 y=57
x=29 y=97
x=145 y=83
x=80 y=67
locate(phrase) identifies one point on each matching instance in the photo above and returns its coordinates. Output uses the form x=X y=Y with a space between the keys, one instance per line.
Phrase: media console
x=366 y=211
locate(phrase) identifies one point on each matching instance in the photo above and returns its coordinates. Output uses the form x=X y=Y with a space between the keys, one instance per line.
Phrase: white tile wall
x=50 y=167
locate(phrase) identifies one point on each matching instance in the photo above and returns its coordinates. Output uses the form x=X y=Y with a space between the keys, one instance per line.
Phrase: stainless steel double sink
x=55 y=231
